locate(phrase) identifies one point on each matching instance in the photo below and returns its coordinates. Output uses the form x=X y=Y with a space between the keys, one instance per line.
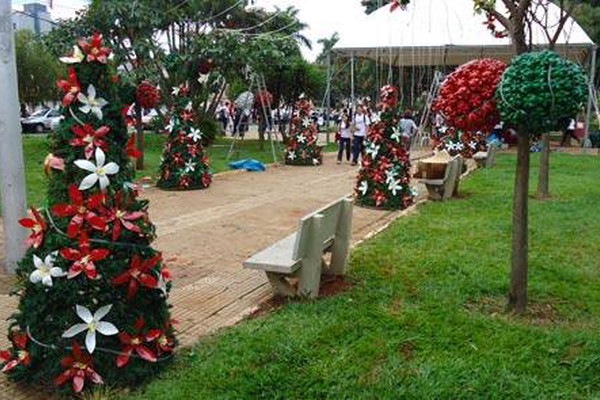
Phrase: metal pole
x=352 y=80
x=12 y=176
x=328 y=95
x=591 y=93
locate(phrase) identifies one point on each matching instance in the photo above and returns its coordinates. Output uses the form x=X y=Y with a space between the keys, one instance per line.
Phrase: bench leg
x=310 y=270
x=341 y=244
x=433 y=192
x=281 y=285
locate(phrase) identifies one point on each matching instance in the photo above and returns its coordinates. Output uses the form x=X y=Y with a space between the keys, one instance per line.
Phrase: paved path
x=205 y=236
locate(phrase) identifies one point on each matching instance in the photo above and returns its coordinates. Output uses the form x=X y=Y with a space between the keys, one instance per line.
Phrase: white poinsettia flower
x=91 y=324
x=315 y=161
x=171 y=125
x=175 y=91
x=75 y=58
x=473 y=145
x=306 y=122
x=195 y=134
x=45 y=270
x=460 y=146
x=396 y=135
x=390 y=175
x=188 y=107
x=394 y=187
x=91 y=103
x=291 y=156
x=190 y=166
x=301 y=139
x=373 y=150
x=363 y=187
x=98 y=172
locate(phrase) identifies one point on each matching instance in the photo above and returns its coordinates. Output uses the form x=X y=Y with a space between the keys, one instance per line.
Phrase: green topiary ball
x=539 y=90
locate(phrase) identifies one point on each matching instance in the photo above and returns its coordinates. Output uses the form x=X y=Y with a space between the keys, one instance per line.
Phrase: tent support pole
x=352 y=80
x=591 y=93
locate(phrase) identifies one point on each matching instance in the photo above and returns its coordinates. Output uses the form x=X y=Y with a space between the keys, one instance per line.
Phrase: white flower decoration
x=92 y=324
x=171 y=125
x=190 y=166
x=188 y=107
x=394 y=187
x=397 y=135
x=473 y=144
x=301 y=139
x=373 y=150
x=363 y=187
x=390 y=175
x=45 y=270
x=91 y=103
x=315 y=161
x=75 y=58
x=195 y=134
x=175 y=91
x=99 y=171
x=291 y=156
x=306 y=122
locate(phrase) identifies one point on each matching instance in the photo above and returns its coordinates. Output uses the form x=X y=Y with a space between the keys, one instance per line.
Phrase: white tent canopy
x=447 y=32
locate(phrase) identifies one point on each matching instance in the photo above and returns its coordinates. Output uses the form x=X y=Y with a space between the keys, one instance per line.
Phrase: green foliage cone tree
x=302 y=147
x=184 y=165
x=384 y=177
x=93 y=292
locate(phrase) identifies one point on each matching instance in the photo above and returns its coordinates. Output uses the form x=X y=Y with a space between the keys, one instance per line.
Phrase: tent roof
x=445 y=32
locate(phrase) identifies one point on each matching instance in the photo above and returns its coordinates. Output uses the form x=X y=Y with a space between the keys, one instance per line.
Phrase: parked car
x=42 y=120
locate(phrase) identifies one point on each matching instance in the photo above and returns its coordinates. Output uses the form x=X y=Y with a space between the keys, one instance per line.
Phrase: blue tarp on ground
x=248 y=165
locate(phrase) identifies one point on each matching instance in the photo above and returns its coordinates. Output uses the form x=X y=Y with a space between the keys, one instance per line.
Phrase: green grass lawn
x=36 y=148
x=425 y=318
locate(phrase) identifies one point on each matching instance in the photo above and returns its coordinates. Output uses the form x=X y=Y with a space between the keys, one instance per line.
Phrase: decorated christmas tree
x=93 y=292
x=184 y=165
x=302 y=148
x=466 y=144
x=384 y=176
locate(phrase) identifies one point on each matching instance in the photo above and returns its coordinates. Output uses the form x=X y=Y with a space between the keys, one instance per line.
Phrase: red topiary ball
x=147 y=95
x=467 y=96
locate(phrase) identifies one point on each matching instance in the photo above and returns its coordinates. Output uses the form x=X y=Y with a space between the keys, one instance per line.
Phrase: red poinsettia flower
x=71 y=87
x=84 y=258
x=89 y=137
x=38 y=225
x=94 y=49
x=164 y=342
x=185 y=181
x=186 y=115
x=378 y=176
x=78 y=368
x=122 y=218
x=193 y=149
x=178 y=159
x=379 y=197
x=182 y=137
x=130 y=149
x=139 y=273
x=135 y=342
x=81 y=211
x=206 y=179
x=21 y=357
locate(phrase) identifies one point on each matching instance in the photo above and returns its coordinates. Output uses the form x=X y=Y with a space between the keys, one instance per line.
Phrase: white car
x=42 y=120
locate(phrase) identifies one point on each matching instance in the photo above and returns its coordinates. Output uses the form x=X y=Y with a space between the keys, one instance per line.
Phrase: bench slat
x=276 y=258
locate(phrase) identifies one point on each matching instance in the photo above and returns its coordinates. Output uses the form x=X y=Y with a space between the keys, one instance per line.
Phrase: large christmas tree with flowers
x=184 y=165
x=93 y=292
x=384 y=177
x=302 y=148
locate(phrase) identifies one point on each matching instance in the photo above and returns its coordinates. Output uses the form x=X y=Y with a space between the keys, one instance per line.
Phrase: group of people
x=353 y=130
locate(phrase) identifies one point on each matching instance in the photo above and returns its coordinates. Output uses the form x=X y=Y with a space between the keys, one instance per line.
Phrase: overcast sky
x=323 y=16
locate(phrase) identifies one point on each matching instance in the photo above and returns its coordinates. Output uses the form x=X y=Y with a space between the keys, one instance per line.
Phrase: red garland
x=147 y=95
x=467 y=96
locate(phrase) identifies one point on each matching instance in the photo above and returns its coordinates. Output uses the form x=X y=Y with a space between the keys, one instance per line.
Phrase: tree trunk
x=517 y=298
x=139 y=137
x=543 y=191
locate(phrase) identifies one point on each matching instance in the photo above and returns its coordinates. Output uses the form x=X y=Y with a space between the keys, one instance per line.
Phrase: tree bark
x=543 y=191
x=517 y=297
x=139 y=137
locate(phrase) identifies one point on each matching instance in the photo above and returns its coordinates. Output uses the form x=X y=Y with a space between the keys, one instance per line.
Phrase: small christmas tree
x=384 y=176
x=184 y=165
x=93 y=291
x=302 y=148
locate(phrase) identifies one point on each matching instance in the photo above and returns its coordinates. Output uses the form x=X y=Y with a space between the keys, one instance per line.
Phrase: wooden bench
x=486 y=159
x=299 y=257
x=445 y=188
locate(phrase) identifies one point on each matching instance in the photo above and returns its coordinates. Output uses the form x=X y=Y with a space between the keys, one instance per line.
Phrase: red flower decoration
x=38 y=225
x=139 y=273
x=81 y=211
x=467 y=96
x=379 y=198
x=147 y=95
x=131 y=150
x=78 y=368
x=206 y=179
x=94 y=49
x=84 y=258
x=389 y=97
x=122 y=218
x=135 y=343
x=21 y=357
x=71 y=87
x=186 y=115
x=86 y=136
x=164 y=342
x=185 y=181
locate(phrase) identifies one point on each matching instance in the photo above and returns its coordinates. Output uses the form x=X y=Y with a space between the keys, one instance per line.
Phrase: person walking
x=407 y=128
x=345 y=138
x=569 y=133
x=361 y=122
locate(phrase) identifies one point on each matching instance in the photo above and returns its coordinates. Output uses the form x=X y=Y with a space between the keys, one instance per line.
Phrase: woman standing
x=345 y=137
x=361 y=122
